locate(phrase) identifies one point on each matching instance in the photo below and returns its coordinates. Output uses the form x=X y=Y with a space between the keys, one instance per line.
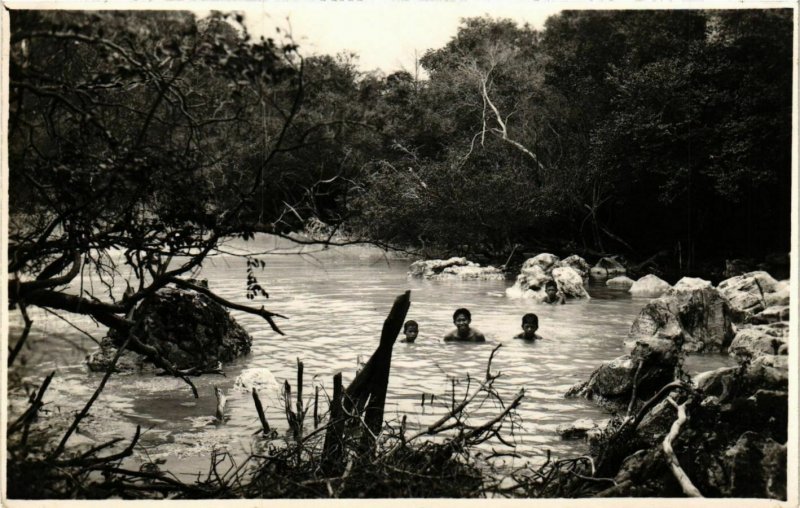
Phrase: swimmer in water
x=411 y=330
x=530 y=323
x=552 y=294
x=463 y=333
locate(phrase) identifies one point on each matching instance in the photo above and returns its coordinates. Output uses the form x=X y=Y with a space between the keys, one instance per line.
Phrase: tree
x=151 y=134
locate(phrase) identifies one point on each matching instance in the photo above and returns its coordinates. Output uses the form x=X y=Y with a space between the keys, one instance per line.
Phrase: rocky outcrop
x=692 y=313
x=650 y=286
x=621 y=281
x=650 y=365
x=751 y=293
x=186 y=328
x=577 y=263
x=733 y=442
x=607 y=267
x=770 y=315
x=536 y=271
x=453 y=269
x=753 y=341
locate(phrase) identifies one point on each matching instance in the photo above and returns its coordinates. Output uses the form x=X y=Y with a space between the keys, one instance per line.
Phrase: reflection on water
x=336 y=306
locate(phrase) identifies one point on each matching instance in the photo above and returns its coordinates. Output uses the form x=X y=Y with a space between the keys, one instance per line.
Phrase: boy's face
x=411 y=332
x=529 y=329
x=551 y=291
x=462 y=323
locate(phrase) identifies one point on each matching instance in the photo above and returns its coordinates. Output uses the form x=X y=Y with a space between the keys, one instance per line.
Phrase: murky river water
x=336 y=303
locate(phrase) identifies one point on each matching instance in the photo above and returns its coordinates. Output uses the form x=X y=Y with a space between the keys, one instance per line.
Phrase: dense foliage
x=632 y=132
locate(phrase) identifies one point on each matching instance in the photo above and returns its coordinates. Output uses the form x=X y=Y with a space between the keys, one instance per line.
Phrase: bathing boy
x=463 y=333
x=530 y=323
x=411 y=330
x=552 y=294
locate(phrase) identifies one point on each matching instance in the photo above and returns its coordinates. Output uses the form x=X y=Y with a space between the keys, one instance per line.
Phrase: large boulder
x=747 y=294
x=545 y=261
x=770 y=315
x=569 y=282
x=621 y=281
x=577 y=263
x=544 y=267
x=650 y=286
x=757 y=340
x=607 y=267
x=188 y=329
x=756 y=467
x=769 y=372
x=454 y=268
x=692 y=313
x=611 y=384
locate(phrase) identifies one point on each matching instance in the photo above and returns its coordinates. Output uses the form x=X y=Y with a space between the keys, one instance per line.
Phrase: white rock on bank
x=622 y=281
x=649 y=285
x=455 y=268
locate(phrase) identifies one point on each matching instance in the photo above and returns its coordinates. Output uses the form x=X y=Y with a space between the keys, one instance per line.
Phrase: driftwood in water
x=367 y=393
x=332 y=449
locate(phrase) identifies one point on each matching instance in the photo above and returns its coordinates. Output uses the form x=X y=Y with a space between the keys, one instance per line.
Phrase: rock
x=569 y=282
x=773 y=314
x=757 y=340
x=655 y=352
x=577 y=429
x=128 y=361
x=188 y=329
x=545 y=261
x=262 y=379
x=746 y=294
x=756 y=466
x=607 y=267
x=613 y=378
x=658 y=319
x=612 y=381
x=577 y=263
x=533 y=277
x=713 y=382
x=650 y=286
x=621 y=281
x=692 y=313
x=454 y=268
x=689 y=284
x=780 y=297
x=768 y=372
x=470 y=272
x=656 y=423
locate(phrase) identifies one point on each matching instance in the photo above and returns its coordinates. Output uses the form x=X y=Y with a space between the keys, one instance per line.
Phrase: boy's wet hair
x=551 y=284
x=463 y=311
x=408 y=323
x=530 y=318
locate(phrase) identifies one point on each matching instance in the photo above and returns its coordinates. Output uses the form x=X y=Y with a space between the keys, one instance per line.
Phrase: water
x=336 y=302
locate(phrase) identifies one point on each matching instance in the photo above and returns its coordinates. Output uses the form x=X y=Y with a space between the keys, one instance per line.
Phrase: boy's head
x=462 y=318
x=550 y=287
x=530 y=323
x=462 y=312
x=411 y=329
